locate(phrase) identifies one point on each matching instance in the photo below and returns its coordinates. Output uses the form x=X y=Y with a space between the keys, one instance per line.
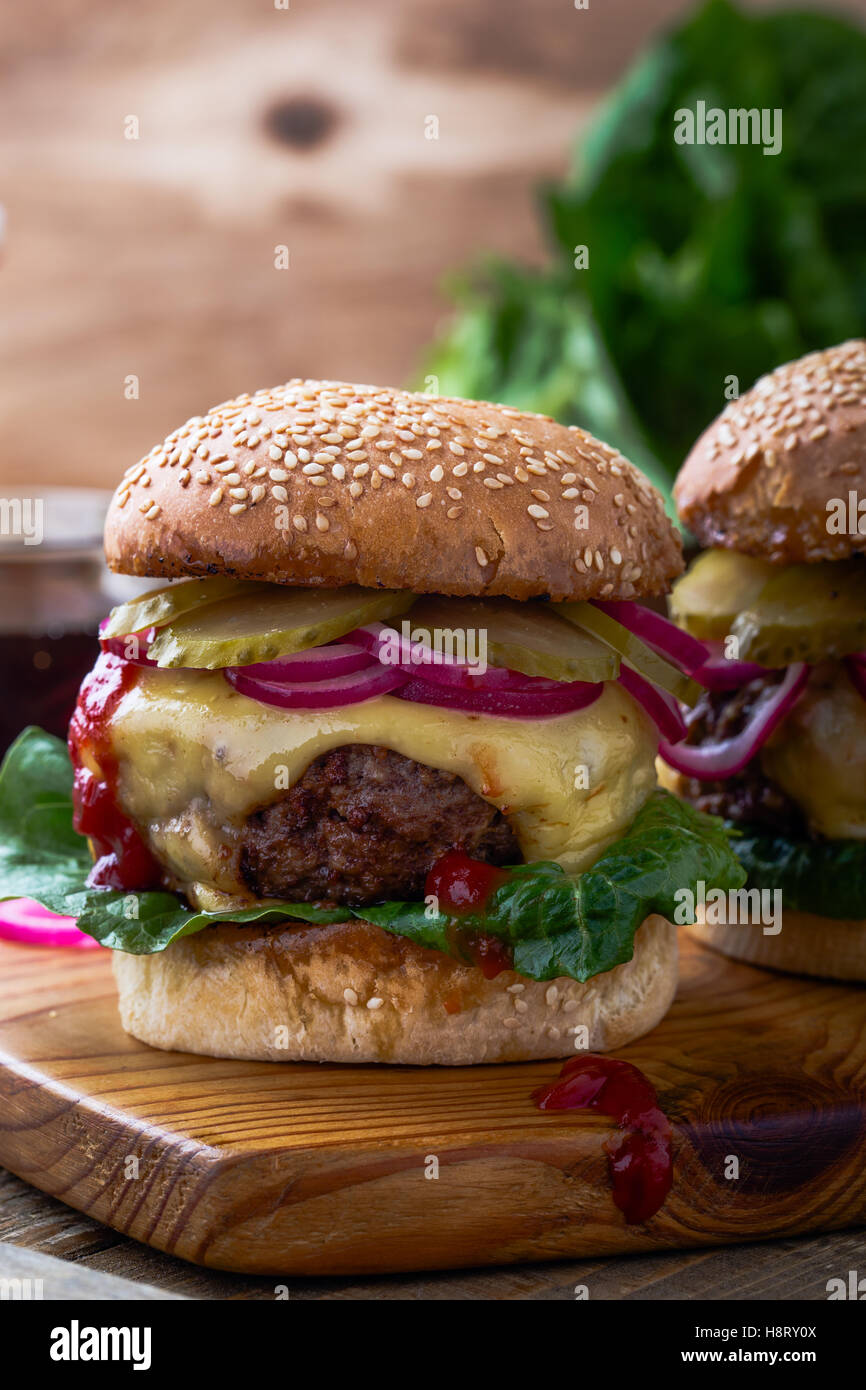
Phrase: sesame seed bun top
x=330 y=484
x=759 y=480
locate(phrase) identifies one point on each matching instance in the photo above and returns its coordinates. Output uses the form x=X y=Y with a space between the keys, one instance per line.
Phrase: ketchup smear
x=639 y=1158
x=463 y=885
x=123 y=859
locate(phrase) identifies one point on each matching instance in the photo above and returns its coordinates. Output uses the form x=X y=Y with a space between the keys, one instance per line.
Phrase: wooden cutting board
x=286 y=1169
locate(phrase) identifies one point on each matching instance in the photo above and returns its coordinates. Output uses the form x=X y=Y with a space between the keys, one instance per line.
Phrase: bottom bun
x=350 y=992
x=830 y=948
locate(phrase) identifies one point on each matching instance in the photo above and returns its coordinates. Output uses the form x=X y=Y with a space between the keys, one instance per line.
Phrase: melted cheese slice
x=818 y=754
x=196 y=758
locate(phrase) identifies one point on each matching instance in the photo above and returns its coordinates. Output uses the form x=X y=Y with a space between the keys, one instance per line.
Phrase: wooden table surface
x=786 y=1269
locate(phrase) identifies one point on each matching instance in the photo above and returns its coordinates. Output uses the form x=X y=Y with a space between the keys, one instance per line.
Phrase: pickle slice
x=273 y=621
x=718 y=586
x=632 y=650
x=160 y=606
x=525 y=637
x=806 y=613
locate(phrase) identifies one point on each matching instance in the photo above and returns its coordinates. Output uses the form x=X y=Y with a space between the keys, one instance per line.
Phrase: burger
x=373 y=778
x=776 y=489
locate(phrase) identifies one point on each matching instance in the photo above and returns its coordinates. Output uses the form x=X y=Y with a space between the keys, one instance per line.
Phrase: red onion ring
x=720 y=672
x=439 y=669
x=662 y=708
x=568 y=697
x=657 y=631
x=330 y=694
x=313 y=664
x=118 y=645
x=22 y=919
x=711 y=761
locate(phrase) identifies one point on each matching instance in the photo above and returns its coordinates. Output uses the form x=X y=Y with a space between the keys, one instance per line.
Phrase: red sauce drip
x=639 y=1158
x=462 y=884
x=123 y=860
x=491 y=955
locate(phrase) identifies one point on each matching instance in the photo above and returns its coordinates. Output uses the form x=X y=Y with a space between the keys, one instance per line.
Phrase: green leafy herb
x=705 y=262
x=555 y=923
x=823 y=876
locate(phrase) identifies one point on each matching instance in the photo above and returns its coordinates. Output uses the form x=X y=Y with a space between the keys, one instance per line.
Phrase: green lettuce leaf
x=555 y=923
x=582 y=925
x=823 y=876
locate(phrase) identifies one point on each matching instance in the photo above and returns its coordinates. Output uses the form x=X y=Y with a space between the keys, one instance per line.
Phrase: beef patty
x=749 y=797
x=365 y=824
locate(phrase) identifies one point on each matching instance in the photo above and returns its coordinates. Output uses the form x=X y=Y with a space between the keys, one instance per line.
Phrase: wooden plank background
x=261 y=127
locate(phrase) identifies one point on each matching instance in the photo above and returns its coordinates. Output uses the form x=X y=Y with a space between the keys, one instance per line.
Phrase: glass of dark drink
x=54 y=591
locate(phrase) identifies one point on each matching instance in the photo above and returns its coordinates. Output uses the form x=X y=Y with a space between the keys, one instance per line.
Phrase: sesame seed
x=481 y=556
x=350 y=996
x=279 y=493
x=536 y=511
x=375 y=1002
x=236 y=508
x=275 y=453
x=424 y=500
x=258 y=492
x=299 y=523
x=216 y=497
